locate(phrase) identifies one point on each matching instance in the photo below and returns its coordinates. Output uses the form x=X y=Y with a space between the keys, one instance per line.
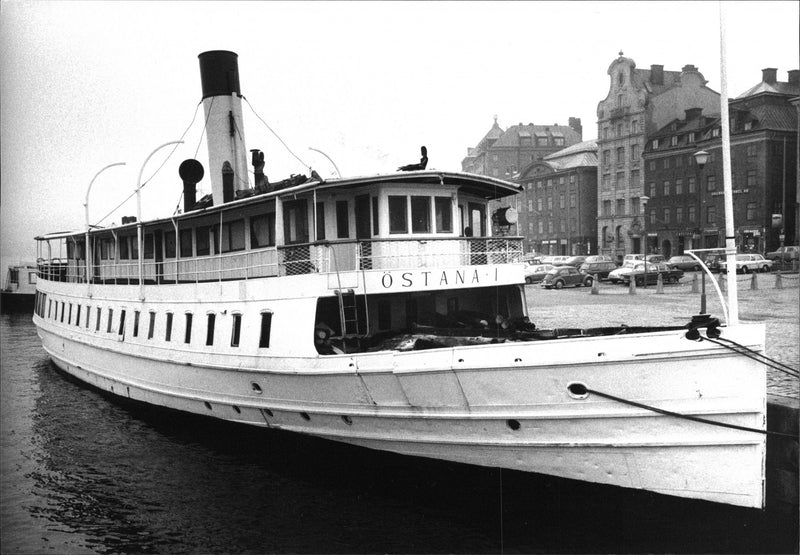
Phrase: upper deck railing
x=298 y=259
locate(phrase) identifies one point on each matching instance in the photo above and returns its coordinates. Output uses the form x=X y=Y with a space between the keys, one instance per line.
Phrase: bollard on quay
x=659 y=285
x=754 y=282
x=595 y=287
x=778 y=281
x=632 y=287
x=695 y=288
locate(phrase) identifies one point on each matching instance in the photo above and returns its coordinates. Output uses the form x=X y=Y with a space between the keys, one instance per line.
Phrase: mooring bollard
x=754 y=281
x=632 y=287
x=659 y=285
x=778 y=281
x=595 y=287
x=695 y=286
x=723 y=282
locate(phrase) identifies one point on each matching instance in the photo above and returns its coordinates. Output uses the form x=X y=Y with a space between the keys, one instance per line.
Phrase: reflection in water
x=89 y=472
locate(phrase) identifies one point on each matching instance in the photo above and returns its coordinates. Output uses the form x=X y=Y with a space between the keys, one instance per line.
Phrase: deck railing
x=307 y=258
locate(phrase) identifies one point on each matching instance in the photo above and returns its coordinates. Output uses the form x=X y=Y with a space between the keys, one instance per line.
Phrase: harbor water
x=83 y=472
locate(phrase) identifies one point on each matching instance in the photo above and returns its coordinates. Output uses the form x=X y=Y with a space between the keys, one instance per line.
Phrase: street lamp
x=700 y=157
x=643 y=199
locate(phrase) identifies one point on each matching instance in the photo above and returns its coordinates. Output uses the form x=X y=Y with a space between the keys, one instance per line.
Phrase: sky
x=88 y=84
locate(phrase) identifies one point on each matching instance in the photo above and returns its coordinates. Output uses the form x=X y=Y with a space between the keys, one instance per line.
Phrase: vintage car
x=562 y=276
x=637 y=273
x=746 y=263
x=684 y=262
x=534 y=273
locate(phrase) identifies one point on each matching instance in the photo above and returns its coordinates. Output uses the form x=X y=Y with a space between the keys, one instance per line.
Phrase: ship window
x=136 y=323
x=186 y=243
x=134 y=248
x=233 y=236
x=121 y=322
x=187 y=336
x=237 y=330
x=320 y=221
x=420 y=214
x=123 y=248
x=78 y=315
x=69 y=318
x=444 y=215
x=168 y=335
x=212 y=320
x=266 y=329
x=169 y=244
x=106 y=249
x=88 y=315
x=151 y=325
x=262 y=231
x=97 y=320
x=375 y=219
x=342 y=220
x=49 y=307
x=62 y=311
x=110 y=320
x=398 y=214
x=201 y=240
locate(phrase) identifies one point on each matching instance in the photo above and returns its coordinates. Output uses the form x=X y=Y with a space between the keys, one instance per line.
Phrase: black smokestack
x=191 y=172
x=219 y=73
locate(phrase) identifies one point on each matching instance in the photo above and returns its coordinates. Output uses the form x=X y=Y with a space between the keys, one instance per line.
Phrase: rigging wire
x=276 y=135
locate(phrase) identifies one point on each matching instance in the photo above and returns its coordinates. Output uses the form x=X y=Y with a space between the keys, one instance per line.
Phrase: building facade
x=685 y=203
x=557 y=209
x=639 y=102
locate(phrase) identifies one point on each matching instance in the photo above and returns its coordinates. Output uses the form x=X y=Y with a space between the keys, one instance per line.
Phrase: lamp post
x=701 y=157
x=643 y=199
x=86 y=210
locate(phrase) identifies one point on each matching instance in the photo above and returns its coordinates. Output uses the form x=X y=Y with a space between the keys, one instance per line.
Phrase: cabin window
x=420 y=214
x=236 y=331
x=148 y=246
x=233 y=236
x=201 y=240
x=134 y=248
x=88 y=315
x=49 y=307
x=444 y=215
x=169 y=244
x=262 y=231
x=212 y=321
x=187 y=336
x=215 y=237
x=110 y=322
x=78 y=315
x=342 y=219
x=375 y=218
x=124 y=251
x=320 y=221
x=136 y=323
x=168 y=334
x=398 y=214
x=62 y=311
x=266 y=330
x=295 y=221
x=186 y=243
x=151 y=325
x=69 y=317
x=122 y=323
x=97 y=319
x=106 y=249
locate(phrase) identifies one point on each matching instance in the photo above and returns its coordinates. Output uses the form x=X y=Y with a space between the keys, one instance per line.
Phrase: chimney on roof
x=575 y=123
x=657 y=74
x=794 y=76
x=688 y=67
x=693 y=113
x=769 y=75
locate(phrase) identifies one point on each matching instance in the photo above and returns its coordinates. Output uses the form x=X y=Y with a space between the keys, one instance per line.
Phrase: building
x=502 y=153
x=685 y=203
x=558 y=206
x=639 y=102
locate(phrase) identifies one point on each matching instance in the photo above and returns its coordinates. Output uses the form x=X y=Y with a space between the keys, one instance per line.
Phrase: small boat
x=380 y=311
x=19 y=290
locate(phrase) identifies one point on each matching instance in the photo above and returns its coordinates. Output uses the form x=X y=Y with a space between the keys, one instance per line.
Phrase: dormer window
x=674 y=141
x=691 y=137
x=748 y=125
x=655 y=144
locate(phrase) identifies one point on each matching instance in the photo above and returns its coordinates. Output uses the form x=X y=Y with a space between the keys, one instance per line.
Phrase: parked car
x=558 y=260
x=668 y=274
x=684 y=262
x=713 y=261
x=632 y=257
x=601 y=268
x=534 y=273
x=746 y=263
x=599 y=258
x=615 y=276
x=575 y=261
x=655 y=258
x=784 y=254
x=563 y=276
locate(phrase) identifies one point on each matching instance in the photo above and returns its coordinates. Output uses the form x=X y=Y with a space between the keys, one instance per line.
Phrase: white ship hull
x=504 y=405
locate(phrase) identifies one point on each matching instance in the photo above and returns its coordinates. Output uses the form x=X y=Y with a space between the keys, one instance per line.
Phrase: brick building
x=639 y=102
x=558 y=205
x=686 y=203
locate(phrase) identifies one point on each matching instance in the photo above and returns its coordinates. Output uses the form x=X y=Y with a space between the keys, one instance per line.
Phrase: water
x=83 y=472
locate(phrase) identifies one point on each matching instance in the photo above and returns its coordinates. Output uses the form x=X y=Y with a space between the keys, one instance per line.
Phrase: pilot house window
x=398 y=215
x=444 y=215
x=420 y=214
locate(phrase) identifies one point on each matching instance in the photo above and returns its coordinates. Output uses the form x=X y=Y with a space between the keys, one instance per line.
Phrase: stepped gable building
x=639 y=101
x=558 y=205
x=502 y=153
x=686 y=205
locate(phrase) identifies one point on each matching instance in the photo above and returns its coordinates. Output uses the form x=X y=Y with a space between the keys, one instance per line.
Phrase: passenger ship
x=381 y=312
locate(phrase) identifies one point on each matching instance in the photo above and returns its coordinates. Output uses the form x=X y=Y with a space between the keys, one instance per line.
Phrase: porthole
x=268 y=412
x=207 y=404
x=256 y=388
x=513 y=424
x=237 y=410
x=577 y=390
x=347 y=420
x=305 y=416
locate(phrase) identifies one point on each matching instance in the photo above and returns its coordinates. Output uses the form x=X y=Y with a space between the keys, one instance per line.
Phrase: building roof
x=511 y=137
x=778 y=87
x=576 y=156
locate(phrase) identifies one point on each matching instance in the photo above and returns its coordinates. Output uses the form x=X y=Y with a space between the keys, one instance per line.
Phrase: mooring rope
x=682 y=416
x=755 y=355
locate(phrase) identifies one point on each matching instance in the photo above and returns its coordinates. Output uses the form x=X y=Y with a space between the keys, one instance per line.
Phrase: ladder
x=348 y=312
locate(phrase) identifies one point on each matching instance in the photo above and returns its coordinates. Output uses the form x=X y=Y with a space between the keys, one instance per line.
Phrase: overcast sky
x=88 y=84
